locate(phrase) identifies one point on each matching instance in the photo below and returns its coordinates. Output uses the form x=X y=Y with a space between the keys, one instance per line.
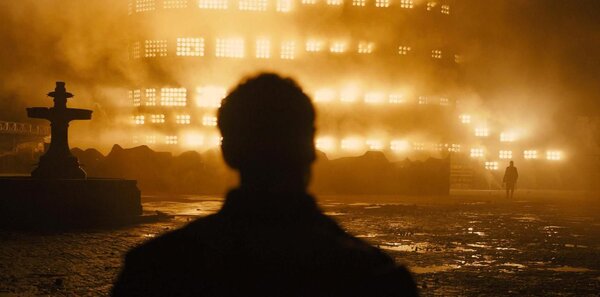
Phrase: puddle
x=433 y=268
x=334 y=213
x=421 y=247
x=569 y=269
x=516 y=265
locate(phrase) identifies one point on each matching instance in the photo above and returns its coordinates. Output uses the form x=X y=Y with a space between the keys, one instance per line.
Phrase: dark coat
x=510 y=175
x=261 y=245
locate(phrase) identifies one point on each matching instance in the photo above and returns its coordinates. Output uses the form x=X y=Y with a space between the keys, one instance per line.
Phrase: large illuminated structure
x=384 y=74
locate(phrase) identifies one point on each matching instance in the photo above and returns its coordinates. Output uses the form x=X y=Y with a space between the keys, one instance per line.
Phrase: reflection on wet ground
x=467 y=247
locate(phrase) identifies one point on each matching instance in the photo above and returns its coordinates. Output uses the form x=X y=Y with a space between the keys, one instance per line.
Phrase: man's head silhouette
x=267 y=124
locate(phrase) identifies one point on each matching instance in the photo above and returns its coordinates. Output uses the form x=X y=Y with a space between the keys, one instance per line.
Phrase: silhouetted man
x=269 y=238
x=510 y=179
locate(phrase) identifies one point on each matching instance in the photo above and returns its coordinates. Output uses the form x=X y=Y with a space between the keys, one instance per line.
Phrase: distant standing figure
x=510 y=179
x=270 y=238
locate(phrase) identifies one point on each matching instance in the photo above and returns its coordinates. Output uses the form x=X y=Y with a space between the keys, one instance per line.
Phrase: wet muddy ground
x=474 y=245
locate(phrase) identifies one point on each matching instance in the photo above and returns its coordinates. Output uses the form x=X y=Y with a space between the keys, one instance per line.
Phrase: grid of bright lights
x=230 y=48
x=155 y=48
x=422 y=100
x=157 y=118
x=359 y=2
x=210 y=96
x=436 y=54
x=151 y=139
x=263 y=48
x=285 y=5
x=491 y=165
x=150 y=97
x=396 y=99
x=175 y=4
x=365 y=47
x=530 y=154
x=382 y=3
x=136 y=51
x=288 y=50
x=309 y=2
x=553 y=155
x=253 y=5
x=173 y=97
x=505 y=154
x=144 y=5
x=403 y=50
x=418 y=146
x=313 y=45
x=213 y=4
x=335 y=2
x=209 y=121
x=482 y=132
x=431 y=5
x=183 y=119
x=406 y=4
x=135 y=97
x=139 y=119
x=465 y=118
x=477 y=152
x=399 y=145
x=444 y=101
x=338 y=47
x=171 y=139
x=446 y=9
x=190 y=47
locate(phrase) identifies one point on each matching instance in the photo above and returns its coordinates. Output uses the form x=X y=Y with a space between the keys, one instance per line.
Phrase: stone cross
x=58 y=162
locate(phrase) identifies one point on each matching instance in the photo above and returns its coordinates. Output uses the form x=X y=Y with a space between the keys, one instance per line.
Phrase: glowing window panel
x=503 y=155
x=309 y=2
x=210 y=96
x=288 y=50
x=155 y=48
x=130 y=7
x=403 y=50
x=375 y=144
x=396 y=99
x=444 y=101
x=406 y=4
x=136 y=51
x=230 y=48
x=335 y=2
x=374 y=98
x=157 y=118
x=365 y=47
x=455 y=148
x=325 y=144
x=553 y=155
x=491 y=165
x=482 y=132
x=436 y=54
x=314 y=46
x=382 y=3
x=418 y=146
x=209 y=121
x=171 y=139
x=213 y=4
x=349 y=94
x=359 y=2
x=338 y=47
x=173 y=97
x=183 y=119
x=477 y=152
x=507 y=137
x=263 y=48
x=192 y=139
x=135 y=97
x=325 y=95
x=175 y=4
x=253 y=5
x=144 y=5
x=446 y=9
x=352 y=144
x=422 y=100
x=399 y=145
x=465 y=118
x=530 y=154
x=151 y=139
x=284 y=5
x=139 y=119
x=190 y=47
x=431 y=5
x=150 y=97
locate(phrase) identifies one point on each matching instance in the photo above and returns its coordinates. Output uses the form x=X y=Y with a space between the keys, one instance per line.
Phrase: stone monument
x=59 y=194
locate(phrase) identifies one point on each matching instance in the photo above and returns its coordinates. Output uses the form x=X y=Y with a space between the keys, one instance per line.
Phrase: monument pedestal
x=74 y=203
